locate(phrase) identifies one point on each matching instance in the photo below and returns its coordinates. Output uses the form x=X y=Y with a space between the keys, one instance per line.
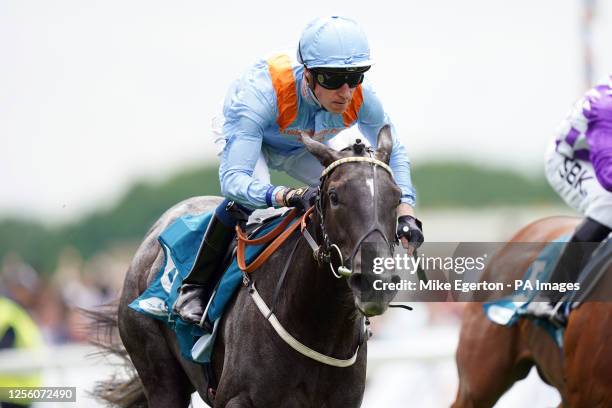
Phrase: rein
x=322 y=254
x=279 y=234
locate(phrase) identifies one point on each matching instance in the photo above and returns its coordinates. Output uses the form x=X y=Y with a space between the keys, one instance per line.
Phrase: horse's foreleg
x=486 y=360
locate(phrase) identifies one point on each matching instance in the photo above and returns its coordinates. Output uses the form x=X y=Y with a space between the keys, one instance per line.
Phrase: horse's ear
x=384 y=144
x=325 y=155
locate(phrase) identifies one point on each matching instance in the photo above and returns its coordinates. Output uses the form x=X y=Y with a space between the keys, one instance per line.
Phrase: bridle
x=328 y=252
x=323 y=254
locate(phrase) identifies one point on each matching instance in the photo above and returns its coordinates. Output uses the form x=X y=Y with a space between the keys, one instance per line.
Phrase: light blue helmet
x=334 y=42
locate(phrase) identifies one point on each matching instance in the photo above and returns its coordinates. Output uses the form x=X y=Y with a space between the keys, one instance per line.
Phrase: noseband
x=328 y=252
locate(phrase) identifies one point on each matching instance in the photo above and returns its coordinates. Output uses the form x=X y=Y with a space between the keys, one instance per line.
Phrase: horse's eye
x=333 y=197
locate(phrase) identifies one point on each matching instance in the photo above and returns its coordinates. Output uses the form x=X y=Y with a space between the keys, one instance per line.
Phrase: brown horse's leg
x=487 y=360
x=588 y=356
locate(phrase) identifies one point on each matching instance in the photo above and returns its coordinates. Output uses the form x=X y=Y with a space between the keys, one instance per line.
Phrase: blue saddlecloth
x=180 y=242
x=507 y=311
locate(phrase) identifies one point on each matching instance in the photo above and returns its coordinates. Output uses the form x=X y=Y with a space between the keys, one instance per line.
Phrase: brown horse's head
x=356 y=211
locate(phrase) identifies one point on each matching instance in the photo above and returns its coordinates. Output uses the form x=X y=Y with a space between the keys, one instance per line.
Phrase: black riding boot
x=571 y=262
x=206 y=271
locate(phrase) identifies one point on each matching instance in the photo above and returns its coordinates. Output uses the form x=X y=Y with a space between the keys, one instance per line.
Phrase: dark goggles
x=335 y=78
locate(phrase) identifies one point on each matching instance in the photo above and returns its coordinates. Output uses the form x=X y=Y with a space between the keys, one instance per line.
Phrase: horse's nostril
x=372 y=308
x=396 y=279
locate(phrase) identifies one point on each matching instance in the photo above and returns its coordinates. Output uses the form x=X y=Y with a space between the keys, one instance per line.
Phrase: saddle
x=180 y=242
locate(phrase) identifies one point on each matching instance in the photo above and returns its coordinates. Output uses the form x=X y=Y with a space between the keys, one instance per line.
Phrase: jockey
x=264 y=113
x=579 y=167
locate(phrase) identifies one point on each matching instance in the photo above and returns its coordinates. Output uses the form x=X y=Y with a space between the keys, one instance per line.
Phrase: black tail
x=126 y=390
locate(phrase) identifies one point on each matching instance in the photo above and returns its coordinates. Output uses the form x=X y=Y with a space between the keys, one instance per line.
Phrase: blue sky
x=96 y=94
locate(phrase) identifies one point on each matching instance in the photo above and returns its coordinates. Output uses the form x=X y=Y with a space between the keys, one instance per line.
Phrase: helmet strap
x=310 y=85
x=309 y=79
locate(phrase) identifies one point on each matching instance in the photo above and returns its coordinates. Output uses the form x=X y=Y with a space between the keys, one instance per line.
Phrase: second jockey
x=321 y=92
x=579 y=167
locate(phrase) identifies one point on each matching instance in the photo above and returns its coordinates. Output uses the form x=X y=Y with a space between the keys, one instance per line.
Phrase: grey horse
x=253 y=365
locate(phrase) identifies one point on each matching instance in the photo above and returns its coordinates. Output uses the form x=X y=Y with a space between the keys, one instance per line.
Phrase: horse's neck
x=317 y=307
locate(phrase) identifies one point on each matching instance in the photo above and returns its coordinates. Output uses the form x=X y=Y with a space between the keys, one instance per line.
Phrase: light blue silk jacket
x=269 y=107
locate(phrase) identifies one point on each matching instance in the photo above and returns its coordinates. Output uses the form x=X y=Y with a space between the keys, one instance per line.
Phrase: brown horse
x=491 y=358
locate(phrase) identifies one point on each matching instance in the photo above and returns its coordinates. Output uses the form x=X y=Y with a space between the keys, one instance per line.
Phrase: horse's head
x=357 y=204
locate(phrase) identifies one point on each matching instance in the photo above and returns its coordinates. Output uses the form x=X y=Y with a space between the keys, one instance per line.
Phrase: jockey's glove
x=410 y=228
x=301 y=198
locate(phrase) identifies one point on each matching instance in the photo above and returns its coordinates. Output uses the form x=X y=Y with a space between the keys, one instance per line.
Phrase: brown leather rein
x=278 y=236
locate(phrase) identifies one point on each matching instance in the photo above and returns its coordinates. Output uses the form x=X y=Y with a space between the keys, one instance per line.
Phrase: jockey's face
x=334 y=100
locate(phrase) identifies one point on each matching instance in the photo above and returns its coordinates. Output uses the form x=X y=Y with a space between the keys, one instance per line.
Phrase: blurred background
x=105 y=114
